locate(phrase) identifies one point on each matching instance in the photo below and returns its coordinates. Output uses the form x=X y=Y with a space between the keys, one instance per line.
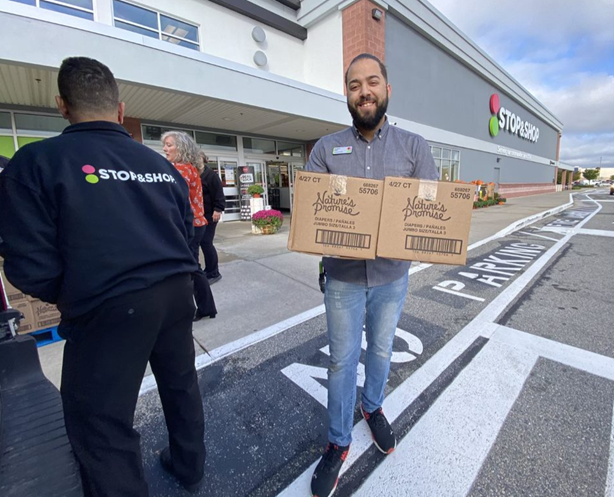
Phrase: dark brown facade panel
x=264 y=16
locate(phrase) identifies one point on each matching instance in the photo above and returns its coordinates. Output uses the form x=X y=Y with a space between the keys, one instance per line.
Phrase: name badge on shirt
x=342 y=150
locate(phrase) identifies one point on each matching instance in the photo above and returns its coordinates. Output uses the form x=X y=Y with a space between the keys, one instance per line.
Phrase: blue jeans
x=348 y=308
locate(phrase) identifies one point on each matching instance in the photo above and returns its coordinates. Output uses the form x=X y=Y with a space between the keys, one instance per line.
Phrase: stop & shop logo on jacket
x=111 y=174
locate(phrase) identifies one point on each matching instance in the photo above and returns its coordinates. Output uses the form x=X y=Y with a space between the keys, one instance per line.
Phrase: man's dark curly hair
x=87 y=86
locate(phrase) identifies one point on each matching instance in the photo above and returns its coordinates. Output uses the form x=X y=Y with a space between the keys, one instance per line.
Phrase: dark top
x=92 y=214
x=392 y=152
x=213 y=193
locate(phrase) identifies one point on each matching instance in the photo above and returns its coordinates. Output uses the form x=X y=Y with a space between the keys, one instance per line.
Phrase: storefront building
x=257 y=82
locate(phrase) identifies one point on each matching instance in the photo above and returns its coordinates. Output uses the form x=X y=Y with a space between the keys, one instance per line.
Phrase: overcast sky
x=562 y=51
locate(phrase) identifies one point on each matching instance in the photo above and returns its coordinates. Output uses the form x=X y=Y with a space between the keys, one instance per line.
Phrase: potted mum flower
x=269 y=221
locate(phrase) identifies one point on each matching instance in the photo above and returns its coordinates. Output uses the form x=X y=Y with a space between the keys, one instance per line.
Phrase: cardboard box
x=335 y=215
x=45 y=315
x=28 y=323
x=425 y=221
x=13 y=294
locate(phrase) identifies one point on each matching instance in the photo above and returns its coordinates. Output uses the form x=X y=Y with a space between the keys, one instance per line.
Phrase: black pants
x=203 y=296
x=105 y=357
x=206 y=244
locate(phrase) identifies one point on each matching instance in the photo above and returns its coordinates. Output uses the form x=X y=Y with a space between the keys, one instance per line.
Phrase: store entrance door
x=228 y=172
x=278 y=177
x=259 y=168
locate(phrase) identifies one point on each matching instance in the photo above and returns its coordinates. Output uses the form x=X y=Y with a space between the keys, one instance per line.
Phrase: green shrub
x=255 y=189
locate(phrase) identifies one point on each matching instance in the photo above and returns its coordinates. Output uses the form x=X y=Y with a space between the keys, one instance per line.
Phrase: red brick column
x=558 y=151
x=362 y=33
x=133 y=126
x=308 y=148
x=509 y=190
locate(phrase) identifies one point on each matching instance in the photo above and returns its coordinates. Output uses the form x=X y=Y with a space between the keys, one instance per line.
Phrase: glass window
x=455 y=167
x=154 y=133
x=438 y=164
x=36 y=125
x=258 y=146
x=151 y=133
x=24 y=140
x=178 y=29
x=446 y=173
x=436 y=151
x=179 y=42
x=137 y=15
x=290 y=149
x=228 y=170
x=84 y=4
x=136 y=29
x=445 y=153
x=455 y=155
x=68 y=10
x=213 y=141
x=7 y=146
x=151 y=23
x=5 y=123
x=212 y=164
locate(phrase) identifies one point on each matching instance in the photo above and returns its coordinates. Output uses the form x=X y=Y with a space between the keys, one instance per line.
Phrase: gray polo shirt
x=392 y=152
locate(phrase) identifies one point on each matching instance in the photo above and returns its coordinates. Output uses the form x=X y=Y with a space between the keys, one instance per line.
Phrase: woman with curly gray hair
x=182 y=151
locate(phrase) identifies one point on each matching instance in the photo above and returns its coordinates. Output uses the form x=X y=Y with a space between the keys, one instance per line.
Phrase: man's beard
x=368 y=123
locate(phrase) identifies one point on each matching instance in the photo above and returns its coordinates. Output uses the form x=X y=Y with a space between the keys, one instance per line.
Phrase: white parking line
x=609 y=487
x=539 y=236
x=591 y=362
x=596 y=232
x=203 y=360
x=443 y=453
x=446 y=449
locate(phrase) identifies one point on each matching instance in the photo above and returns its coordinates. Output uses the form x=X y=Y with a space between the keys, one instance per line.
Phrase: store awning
x=161 y=82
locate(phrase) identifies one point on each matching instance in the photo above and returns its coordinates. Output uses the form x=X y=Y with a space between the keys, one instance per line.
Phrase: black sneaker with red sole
x=381 y=431
x=326 y=476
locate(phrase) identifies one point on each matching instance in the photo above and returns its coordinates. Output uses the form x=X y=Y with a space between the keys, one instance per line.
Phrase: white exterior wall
x=317 y=61
x=228 y=35
x=324 y=53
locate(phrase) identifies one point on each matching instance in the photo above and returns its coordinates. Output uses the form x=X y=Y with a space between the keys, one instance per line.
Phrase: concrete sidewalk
x=264 y=284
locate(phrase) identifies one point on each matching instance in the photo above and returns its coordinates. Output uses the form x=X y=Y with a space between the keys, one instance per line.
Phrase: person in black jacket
x=215 y=203
x=99 y=224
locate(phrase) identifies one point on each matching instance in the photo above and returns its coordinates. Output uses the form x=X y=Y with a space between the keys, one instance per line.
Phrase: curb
x=524 y=222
